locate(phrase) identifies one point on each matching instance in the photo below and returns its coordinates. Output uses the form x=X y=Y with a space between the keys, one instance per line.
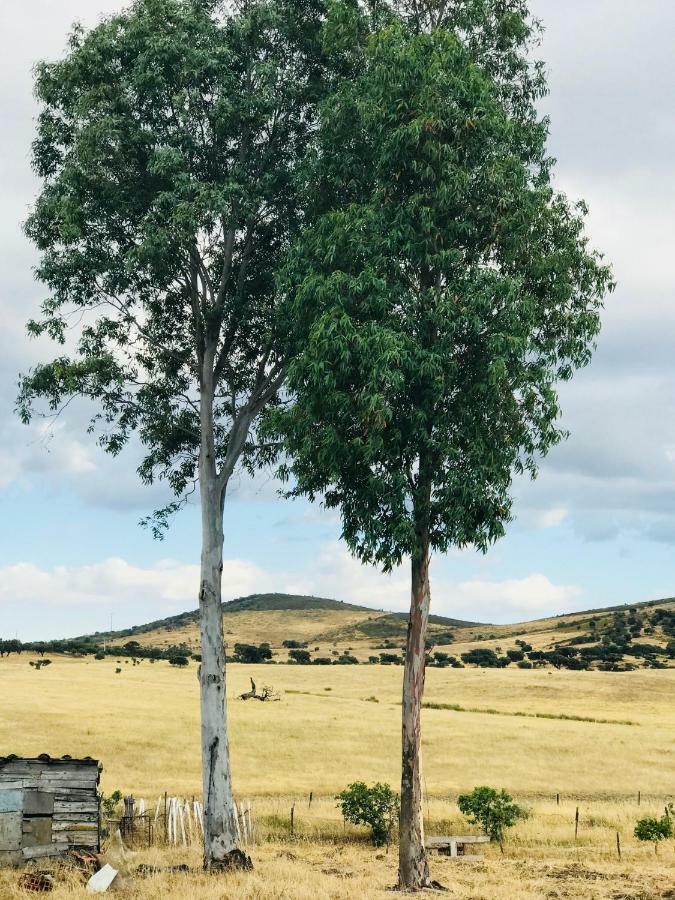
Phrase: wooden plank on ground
x=433 y=843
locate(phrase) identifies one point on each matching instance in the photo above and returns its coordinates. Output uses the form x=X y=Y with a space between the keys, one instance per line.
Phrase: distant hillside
x=617 y=636
x=252 y=603
x=267 y=602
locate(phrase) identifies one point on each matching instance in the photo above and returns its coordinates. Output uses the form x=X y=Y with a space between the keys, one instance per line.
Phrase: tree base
x=434 y=886
x=235 y=861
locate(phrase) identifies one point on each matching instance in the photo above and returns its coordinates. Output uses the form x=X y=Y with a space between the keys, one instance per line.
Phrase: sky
x=595 y=529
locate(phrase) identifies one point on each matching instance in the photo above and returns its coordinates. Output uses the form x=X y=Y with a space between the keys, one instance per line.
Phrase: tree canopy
x=445 y=289
x=168 y=145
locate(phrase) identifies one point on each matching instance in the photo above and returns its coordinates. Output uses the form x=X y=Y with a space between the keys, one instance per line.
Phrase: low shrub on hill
x=483 y=657
x=252 y=653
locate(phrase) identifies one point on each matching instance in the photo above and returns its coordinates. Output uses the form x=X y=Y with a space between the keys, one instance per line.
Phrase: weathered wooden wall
x=47 y=806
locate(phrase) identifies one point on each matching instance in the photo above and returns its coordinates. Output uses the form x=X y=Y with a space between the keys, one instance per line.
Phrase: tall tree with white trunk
x=444 y=290
x=169 y=143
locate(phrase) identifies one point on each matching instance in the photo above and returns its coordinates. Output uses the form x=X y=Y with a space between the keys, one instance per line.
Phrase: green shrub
x=493 y=810
x=107 y=810
x=376 y=806
x=346 y=660
x=652 y=829
x=484 y=657
x=178 y=661
x=249 y=653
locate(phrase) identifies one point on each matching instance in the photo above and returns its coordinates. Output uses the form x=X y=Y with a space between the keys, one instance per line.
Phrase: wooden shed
x=47 y=807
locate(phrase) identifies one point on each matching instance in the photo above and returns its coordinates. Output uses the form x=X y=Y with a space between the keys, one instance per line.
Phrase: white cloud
x=505 y=601
x=138 y=595
x=115 y=583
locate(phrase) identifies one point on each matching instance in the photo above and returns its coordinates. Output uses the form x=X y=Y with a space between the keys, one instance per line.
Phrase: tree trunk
x=413 y=870
x=220 y=845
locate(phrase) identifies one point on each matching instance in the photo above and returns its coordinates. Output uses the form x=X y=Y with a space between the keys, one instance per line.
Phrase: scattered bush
x=484 y=657
x=493 y=810
x=178 y=661
x=390 y=659
x=346 y=660
x=250 y=653
x=376 y=806
x=652 y=829
x=40 y=663
x=301 y=657
x=442 y=640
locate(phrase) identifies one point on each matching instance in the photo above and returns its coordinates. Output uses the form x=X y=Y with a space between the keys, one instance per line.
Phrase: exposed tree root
x=434 y=887
x=235 y=860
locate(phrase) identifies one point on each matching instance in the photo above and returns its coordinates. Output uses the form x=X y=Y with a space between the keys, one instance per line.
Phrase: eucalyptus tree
x=168 y=144
x=432 y=308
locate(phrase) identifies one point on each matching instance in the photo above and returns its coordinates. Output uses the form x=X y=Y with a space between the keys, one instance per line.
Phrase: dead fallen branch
x=266 y=693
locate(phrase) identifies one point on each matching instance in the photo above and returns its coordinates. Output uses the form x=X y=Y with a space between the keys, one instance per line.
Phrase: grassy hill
x=331 y=628
x=274 y=618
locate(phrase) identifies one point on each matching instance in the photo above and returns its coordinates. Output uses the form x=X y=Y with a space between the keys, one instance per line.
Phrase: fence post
x=618 y=845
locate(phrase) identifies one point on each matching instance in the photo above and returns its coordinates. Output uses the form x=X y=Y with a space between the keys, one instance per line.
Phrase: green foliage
x=109 y=804
x=442 y=293
x=493 y=810
x=107 y=810
x=250 y=653
x=180 y=661
x=301 y=657
x=653 y=829
x=482 y=656
x=169 y=142
x=13 y=645
x=39 y=663
x=376 y=806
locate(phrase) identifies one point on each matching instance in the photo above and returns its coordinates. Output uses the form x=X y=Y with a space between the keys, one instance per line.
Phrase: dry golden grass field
x=338 y=724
